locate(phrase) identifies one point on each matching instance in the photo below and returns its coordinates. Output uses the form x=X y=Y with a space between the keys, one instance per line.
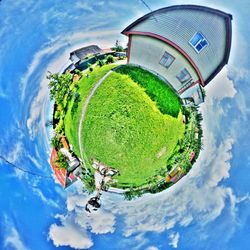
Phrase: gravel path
x=84 y=112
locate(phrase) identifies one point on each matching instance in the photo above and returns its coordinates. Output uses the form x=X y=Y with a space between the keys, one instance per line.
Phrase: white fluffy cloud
x=69 y=234
x=174 y=239
x=221 y=86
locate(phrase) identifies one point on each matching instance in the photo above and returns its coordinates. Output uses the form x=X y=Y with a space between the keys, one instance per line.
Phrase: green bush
x=60 y=127
x=110 y=59
x=100 y=63
x=77 y=99
x=89 y=184
x=55 y=142
x=61 y=160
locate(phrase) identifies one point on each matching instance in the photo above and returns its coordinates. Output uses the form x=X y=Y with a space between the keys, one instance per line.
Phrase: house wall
x=147 y=52
x=180 y=25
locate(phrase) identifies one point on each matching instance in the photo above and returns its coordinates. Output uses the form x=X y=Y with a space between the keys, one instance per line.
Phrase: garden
x=134 y=122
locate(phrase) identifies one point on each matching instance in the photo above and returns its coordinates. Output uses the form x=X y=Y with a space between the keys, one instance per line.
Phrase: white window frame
x=198 y=42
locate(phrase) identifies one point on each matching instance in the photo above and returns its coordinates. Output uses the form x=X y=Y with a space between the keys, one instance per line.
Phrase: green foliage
x=60 y=127
x=90 y=67
x=133 y=193
x=55 y=142
x=129 y=131
x=203 y=92
x=61 y=160
x=76 y=101
x=166 y=99
x=110 y=59
x=118 y=46
x=100 y=63
x=60 y=87
x=57 y=114
x=78 y=72
x=89 y=183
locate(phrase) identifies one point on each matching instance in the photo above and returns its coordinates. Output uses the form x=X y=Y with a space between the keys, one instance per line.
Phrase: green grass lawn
x=71 y=120
x=166 y=99
x=125 y=126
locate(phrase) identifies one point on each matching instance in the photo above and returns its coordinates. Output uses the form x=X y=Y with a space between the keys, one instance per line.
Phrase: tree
x=118 y=46
x=59 y=86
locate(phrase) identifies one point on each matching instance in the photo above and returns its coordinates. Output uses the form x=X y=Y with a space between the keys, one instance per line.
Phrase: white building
x=187 y=45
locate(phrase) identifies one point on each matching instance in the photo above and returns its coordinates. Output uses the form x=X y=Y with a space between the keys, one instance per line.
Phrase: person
x=103 y=175
x=93 y=204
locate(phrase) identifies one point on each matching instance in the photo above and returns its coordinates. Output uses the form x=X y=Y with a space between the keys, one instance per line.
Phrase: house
x=68 y=176
x=77 y=55
x=187 y=45
x=60 y=173
x=82 y=57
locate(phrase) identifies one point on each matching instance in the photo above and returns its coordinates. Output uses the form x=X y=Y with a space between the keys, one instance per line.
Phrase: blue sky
x=207 y=209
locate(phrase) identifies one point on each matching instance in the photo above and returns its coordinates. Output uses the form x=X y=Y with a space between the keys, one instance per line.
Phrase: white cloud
x=35 y=161
x=152 y=248
x=15 y=152
x=13 y=157
x=221 y=86
x=13 y=240
x=84 y=6
x=69 y=234
x=174 y=239
x=40 y=194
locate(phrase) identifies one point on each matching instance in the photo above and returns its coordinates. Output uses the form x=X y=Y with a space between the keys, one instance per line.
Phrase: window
x=166 y=60
x=198 y=42
x=184 y=76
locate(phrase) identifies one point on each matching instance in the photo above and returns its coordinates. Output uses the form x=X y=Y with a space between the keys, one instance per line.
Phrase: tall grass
x=166 y=99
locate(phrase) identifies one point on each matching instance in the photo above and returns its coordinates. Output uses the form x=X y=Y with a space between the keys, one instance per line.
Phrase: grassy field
x=166 y=99
x=72 y=117
x=128 y=126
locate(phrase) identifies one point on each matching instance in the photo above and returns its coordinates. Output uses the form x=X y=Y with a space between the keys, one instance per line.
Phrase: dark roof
x=228 y=18
x=83 y=52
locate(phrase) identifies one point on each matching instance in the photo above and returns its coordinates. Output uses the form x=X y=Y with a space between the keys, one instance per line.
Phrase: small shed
x=62 y=175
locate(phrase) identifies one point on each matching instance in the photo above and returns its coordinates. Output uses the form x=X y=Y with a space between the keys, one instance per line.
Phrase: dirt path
x=84 y=112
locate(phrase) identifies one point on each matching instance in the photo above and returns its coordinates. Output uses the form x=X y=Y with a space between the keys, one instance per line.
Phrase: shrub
x=76 y=102
x=110 y=59
x=61 y=160
x=60 y=127
x=55 y=142
x=100 y=63
x=89 y=183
